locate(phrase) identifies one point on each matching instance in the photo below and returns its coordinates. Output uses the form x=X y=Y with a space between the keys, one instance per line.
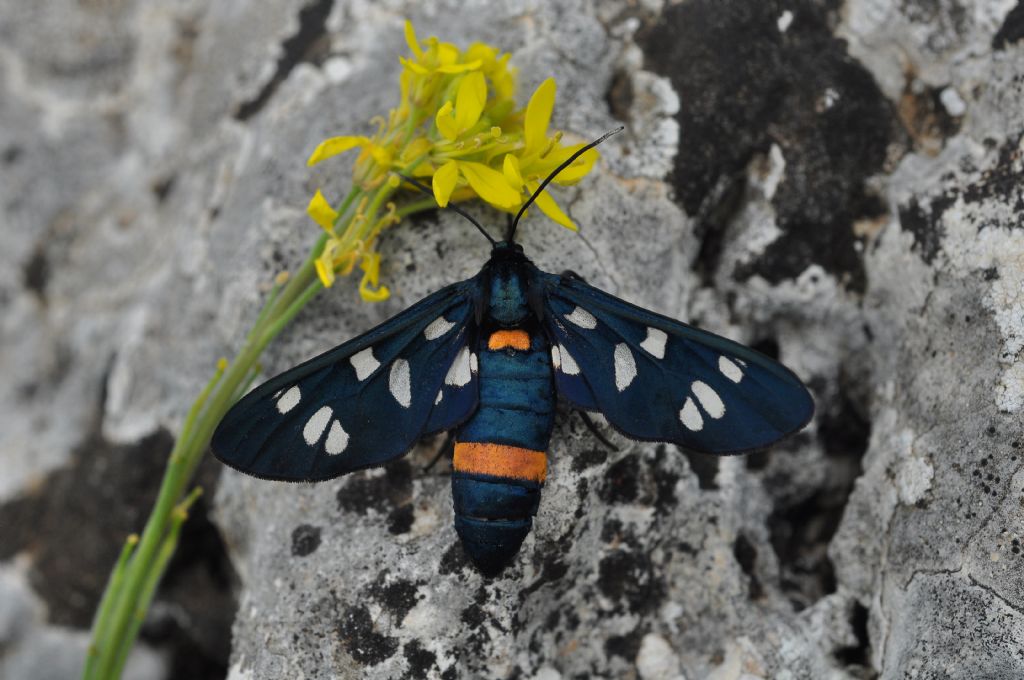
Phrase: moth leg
x=588 y=421
x=447 y=447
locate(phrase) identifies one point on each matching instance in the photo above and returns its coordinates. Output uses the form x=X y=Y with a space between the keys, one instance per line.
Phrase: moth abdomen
x=500 y=458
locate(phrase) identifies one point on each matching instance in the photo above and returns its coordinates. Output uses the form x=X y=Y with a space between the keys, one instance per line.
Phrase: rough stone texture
x=835 y=183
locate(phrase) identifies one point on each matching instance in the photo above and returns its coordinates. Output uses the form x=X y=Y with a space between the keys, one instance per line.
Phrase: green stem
x=152 y=580
x=102 y=623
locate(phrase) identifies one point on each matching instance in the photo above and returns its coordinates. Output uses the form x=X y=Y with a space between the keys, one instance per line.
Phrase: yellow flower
x=453 y=120
x=439 y=57
x=321 y=212
x=369 y=287
x=457 y=124
x=334 y=146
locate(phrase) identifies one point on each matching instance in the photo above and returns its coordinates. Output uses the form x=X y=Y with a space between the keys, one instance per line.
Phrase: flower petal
x=470 y=100
x=510 y=168
x=334 y=146
x=490 y=185
x=321 y=212
x=368 y=288
x=548 y=206
x=325 y=272
x=411 y=41
x=373 y=295
x=325 y=264
x=445 y=123
x=538 y=115
x=575 y=172
x=444 y=182
x=418 y=69
x=460 y=68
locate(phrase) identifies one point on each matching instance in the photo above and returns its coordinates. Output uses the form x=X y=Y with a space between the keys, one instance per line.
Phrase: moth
x=486 y=358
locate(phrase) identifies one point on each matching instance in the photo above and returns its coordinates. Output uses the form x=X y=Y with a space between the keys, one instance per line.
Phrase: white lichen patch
x=914 y=479
x=976 y=241
x=656 y=659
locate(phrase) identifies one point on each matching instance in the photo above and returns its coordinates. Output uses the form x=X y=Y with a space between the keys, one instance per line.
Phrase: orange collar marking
x=516 y=339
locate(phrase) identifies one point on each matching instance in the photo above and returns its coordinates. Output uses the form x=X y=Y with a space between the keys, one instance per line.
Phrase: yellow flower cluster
x=457 y=125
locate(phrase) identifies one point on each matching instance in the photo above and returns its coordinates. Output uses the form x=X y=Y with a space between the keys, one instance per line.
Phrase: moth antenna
x=547 y=180
x=451 y=206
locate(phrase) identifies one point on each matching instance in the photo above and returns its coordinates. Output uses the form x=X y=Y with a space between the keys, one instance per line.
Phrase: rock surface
x=838 y=184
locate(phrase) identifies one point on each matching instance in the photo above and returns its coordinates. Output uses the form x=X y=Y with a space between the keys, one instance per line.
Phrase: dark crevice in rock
x=705 y=466
x=196 y=605
x=860 y=653
x=383 y=493
x=74 y=523
x=620 y=96
x=1012 y=29
x=621 y=483
x=400 y=519
x=713 y=220
x=309 y=44
x=800 y=534
x=625 y=646
x=745 y=85
x=36 y=272
x=845 y=432
x=802 y=528
x=767 y=346
x=73 y=526
x=746 y=555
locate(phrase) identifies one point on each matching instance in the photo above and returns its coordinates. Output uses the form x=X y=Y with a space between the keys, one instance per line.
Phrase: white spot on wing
x=654 y=343
x=582 y=318
x=337 y=439
x=625 y=366
x=690 y=416
x=729 y=369
x=289 y=400
x=709 y=399
x=569 y=365
x=437 y=328
x=399 y=384
x=459 y=374
x=364 y=362
x=316 y=425
x=440 y=396
x=556 y=360
x=472 y=362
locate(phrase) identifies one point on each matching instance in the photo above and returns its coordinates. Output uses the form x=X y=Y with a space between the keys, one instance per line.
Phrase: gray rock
x=837 y=185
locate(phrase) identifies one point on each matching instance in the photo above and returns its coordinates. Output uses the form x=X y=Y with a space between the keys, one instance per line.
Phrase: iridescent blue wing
x=362 y=403
x=657 y=379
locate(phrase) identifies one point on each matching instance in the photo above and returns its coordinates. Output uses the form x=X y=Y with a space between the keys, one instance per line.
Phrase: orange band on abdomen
x=501 y=460
x=516 y=339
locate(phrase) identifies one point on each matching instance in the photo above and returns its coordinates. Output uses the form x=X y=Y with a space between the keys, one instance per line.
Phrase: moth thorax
x=507 y=304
